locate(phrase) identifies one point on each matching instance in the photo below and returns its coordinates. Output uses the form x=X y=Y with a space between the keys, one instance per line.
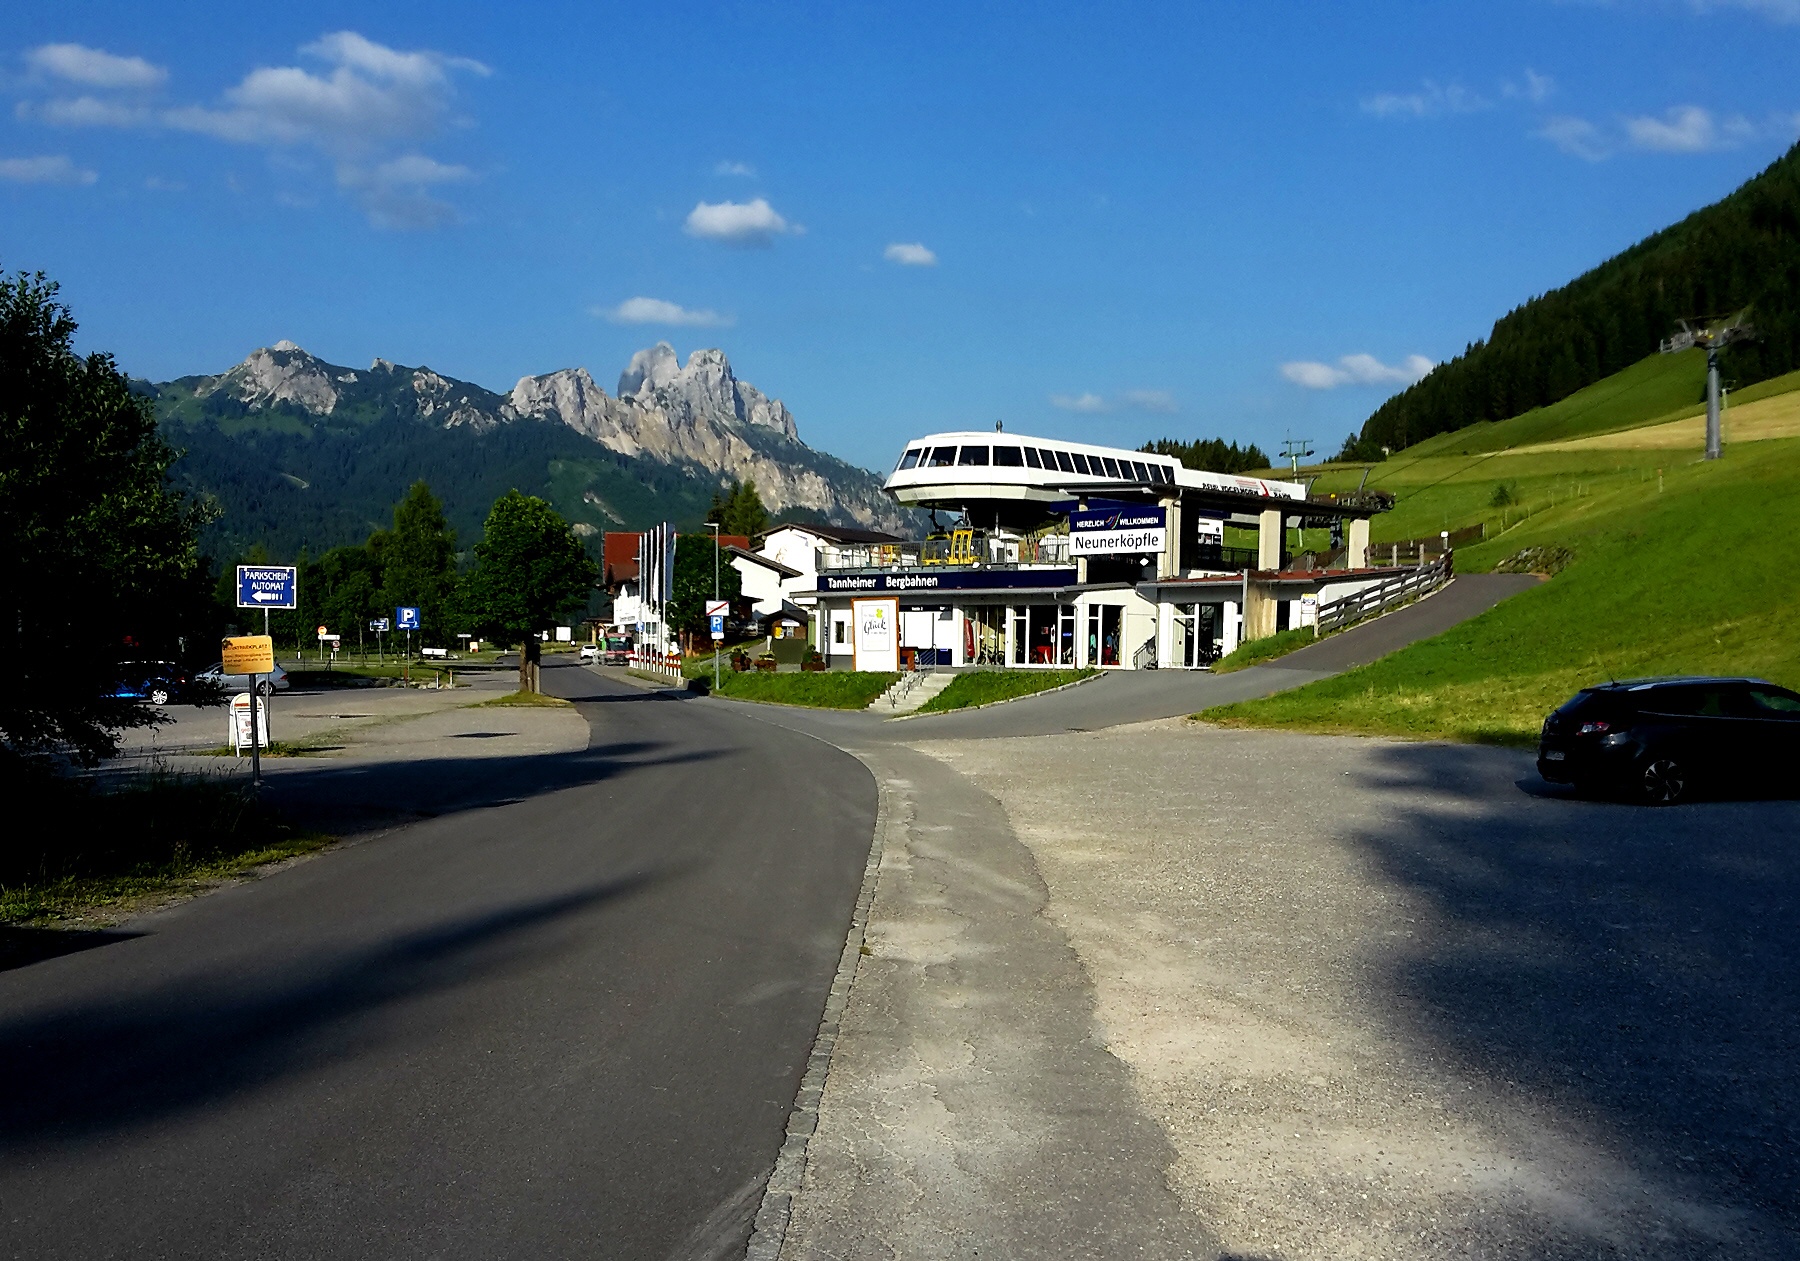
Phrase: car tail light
x=1594 y=728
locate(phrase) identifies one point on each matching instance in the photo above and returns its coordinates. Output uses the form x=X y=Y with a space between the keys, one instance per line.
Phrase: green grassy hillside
x=1741 y=253
x=1697 y=576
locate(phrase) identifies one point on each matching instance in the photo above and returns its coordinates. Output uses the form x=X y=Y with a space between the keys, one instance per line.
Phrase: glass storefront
x=1043 y=635
x=1105 y=629
x=1196 y=634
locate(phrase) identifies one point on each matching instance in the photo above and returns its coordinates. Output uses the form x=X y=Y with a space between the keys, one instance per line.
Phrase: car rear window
x=1768 y=700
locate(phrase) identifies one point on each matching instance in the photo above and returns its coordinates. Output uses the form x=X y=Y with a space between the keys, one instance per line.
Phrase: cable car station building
x=1064 y=555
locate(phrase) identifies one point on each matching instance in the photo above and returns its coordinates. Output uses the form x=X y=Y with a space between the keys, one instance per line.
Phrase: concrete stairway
x=911 y=692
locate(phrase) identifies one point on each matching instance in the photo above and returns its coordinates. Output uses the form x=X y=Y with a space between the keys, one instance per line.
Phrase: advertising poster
x=876 y=625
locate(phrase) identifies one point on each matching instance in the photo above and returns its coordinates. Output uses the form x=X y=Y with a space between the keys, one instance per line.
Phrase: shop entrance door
x=1105 y=629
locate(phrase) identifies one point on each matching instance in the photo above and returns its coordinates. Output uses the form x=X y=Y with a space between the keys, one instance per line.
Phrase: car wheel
x=159 y=696
x=265 y=688
x=1663 y=781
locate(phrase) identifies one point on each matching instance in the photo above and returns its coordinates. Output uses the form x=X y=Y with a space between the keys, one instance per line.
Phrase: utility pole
x=717 y=643
x=1712 y=337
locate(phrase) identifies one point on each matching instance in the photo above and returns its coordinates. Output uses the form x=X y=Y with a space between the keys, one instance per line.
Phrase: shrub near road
x=1697 y=579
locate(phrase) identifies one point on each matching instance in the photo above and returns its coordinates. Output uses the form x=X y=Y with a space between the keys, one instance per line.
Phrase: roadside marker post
x=253 y=655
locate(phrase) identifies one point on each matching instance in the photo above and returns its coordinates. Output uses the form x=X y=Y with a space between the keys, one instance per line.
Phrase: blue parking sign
x=266 y=586
x=406 y=618
x=718 y=626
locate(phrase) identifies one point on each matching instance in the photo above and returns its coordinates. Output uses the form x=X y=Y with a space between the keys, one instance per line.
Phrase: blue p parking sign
x=406 y=618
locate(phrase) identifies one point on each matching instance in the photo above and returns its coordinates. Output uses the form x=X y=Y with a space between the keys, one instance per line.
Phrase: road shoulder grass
x=814 y=689
x=103 y=851
x=989 y=687
x=1696 y=579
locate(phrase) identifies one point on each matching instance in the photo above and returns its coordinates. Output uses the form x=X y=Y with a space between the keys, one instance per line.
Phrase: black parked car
x=1657 y=738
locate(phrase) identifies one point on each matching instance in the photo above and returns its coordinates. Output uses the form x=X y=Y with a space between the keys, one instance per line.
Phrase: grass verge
x=1695 y=579
x=153 y=835
x=829 y=689
x=275 y=748
x=525 y=700
x=984 y=687
x=1256 y=651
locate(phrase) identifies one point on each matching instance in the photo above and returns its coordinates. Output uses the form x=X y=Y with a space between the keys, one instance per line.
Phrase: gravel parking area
x=1404 y=1000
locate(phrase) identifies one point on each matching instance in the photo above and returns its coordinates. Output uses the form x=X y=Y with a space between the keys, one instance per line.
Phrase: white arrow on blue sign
x=406 y=618
x=266 y=587
x=378 y=624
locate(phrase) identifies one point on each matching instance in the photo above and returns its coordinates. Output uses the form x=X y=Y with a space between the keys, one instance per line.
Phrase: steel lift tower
x=1712 y=336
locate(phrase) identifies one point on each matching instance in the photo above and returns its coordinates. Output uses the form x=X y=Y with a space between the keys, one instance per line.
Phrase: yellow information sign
x=247 y=654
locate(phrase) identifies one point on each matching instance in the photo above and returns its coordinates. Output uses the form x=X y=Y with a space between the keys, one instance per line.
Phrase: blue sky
x=1115 y=222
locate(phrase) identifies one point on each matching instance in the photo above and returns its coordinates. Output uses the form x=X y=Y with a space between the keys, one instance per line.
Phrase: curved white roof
x=989 y=464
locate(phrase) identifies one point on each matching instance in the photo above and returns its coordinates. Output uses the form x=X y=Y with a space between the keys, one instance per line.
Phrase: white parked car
x=215 y=675
x=589 y=654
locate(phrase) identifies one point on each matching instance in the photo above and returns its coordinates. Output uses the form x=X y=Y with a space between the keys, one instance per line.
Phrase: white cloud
x=752 y=223
x=50 y=169
x=1355 y=370
x=393 y=193
x=734 y=168
x=1431 y=100
x=84 y=111
x=1159 y=401
x=909 y=254
x=77 y=63
x=656 y=311
x=1688 y=129
x=373 y=98
x=1784 y=11
x=1576 y=136
x=1150 y=401
x=1536 y=88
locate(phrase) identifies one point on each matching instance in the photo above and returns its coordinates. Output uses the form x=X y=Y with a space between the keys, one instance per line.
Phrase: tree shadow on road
x=1632 y=970
x=117 y=1065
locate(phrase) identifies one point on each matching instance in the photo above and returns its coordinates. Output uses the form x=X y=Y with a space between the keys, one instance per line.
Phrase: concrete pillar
x=1259 y=611
x=1268 y=540
x=1168 y=565
x=1356 y=544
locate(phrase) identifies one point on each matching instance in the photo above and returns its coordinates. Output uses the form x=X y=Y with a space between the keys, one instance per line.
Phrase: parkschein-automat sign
x=1117 y=531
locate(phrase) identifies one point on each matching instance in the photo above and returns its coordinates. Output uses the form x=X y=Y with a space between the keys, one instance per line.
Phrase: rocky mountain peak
x=282 y=373
x=649 y=369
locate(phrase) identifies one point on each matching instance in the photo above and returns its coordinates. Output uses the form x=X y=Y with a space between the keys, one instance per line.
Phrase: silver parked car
x=266 y=685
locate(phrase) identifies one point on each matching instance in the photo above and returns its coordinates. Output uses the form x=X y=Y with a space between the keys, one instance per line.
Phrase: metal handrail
x=1386 y=594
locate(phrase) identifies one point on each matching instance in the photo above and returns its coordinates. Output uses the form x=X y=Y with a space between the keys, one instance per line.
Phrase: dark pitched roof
x=837 y=533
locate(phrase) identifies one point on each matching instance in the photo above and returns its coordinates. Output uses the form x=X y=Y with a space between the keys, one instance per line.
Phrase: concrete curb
x=969 y=709
x=772 y=1216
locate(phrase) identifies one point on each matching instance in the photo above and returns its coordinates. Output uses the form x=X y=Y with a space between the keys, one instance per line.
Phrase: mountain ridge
x=284 y=424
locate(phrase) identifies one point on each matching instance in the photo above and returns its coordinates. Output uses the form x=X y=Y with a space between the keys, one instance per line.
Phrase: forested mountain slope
x=1742 y=252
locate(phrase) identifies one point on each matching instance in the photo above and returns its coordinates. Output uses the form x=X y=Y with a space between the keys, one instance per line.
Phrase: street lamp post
x=720 y=642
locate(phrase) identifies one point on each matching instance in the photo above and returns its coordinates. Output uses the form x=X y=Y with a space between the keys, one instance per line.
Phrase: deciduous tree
x=530 y=568
x=99 y=560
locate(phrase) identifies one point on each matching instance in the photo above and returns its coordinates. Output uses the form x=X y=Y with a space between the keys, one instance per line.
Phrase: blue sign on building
x=406 y=618
x=266 y=587
x=950 y=580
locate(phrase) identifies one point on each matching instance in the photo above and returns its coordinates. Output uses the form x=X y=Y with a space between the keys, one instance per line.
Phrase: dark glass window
x=943 y=457
x=1769 y=701
x=1160 y=473
x=1139 y=471
x=1008 y=456
x=1063 y=461
x=910 y=458
x=973 y=455
x=1112 y=467
x=1031 y=458
x=1081 y=464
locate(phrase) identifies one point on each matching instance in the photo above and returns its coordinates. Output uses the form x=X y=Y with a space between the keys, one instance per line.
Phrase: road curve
x=566 y=1016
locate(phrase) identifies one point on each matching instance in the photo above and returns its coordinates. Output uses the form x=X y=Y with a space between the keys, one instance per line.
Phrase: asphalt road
x=565 y=1014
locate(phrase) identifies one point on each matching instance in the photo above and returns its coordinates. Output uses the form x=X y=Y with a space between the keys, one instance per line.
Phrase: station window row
x=1039 y=458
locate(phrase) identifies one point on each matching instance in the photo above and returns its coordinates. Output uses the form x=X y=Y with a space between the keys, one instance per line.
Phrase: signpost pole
x=255 y=734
